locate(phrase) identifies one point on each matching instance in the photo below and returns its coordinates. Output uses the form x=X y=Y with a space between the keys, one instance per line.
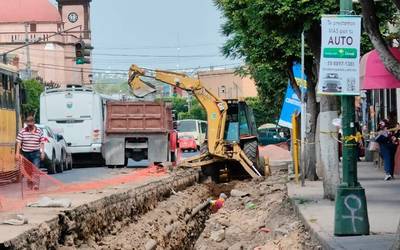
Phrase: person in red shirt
x=30 y=144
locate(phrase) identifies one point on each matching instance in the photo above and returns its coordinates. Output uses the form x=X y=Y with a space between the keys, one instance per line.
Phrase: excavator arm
x=215 y=107
x=216 y=110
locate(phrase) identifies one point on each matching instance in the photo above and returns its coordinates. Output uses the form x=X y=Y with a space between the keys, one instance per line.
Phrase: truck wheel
x=51 y=166
x=251 y=151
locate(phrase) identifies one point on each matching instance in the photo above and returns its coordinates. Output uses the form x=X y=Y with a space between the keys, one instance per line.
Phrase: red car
x=187 y=143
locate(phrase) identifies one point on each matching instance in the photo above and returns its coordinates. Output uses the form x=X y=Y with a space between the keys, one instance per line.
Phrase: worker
x=30 y=142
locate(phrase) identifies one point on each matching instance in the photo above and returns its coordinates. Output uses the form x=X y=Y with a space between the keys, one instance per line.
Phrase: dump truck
x=138 y=131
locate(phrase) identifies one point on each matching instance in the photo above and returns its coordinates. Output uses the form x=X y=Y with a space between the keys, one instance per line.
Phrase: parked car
x=271 y=134
x=56 y=153
x=187 y=143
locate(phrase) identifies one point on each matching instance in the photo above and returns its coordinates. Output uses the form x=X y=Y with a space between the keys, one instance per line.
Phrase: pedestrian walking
x=30 y=144
x=387 y=145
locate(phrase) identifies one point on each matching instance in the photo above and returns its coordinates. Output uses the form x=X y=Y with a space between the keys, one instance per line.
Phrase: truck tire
x=51 y=167
x=250 y=149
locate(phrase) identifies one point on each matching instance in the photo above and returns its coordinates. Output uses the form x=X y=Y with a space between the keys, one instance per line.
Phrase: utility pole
x=303 y=116
x=28 y=54
x=351 y=217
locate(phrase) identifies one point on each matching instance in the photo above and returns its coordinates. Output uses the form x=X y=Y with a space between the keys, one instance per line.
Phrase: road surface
x=99 y=173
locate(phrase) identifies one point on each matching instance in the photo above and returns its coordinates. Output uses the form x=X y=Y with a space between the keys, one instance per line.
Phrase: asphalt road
x=99 y=173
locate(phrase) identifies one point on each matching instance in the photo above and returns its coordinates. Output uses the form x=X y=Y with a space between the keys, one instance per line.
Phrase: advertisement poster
x=292 y=103
x=340 y=55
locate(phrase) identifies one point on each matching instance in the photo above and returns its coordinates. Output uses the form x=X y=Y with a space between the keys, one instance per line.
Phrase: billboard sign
x=340 y=55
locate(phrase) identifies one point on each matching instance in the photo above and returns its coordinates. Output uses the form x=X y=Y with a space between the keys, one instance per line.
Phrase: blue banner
x=292 y=102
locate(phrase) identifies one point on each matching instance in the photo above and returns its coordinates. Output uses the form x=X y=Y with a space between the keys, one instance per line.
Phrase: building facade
x=51 y=58
x=228 y=85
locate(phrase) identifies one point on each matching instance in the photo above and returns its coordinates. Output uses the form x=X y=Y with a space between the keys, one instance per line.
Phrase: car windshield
x=187 y=126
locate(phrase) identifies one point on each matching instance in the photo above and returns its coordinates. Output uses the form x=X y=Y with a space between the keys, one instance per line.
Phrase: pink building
x=228 y=85
x=53 y=58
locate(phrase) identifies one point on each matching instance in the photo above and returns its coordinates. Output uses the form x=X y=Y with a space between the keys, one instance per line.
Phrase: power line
x=123 y=71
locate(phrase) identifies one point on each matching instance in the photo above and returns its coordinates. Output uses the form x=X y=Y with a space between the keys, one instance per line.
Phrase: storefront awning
x=374 y=75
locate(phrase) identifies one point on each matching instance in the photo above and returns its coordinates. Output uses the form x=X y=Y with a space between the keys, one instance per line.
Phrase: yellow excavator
x=231 y=145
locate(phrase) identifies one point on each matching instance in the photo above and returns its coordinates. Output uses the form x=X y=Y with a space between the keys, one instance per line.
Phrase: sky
x=179 y=34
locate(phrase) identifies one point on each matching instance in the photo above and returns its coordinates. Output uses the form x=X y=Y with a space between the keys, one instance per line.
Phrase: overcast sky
x=139 y=29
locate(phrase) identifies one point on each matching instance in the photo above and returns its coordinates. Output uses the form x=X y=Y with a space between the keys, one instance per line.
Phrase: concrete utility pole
x=28 y=54
x=351 y=217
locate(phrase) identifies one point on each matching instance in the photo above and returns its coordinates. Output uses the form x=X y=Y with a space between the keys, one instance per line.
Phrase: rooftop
x=21 y=11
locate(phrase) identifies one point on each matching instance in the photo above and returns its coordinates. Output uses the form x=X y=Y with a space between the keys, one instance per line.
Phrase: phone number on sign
x=339 y=63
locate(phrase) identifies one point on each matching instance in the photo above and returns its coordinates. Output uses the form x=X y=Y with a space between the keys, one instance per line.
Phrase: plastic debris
x=49 y=202
x=17 y=221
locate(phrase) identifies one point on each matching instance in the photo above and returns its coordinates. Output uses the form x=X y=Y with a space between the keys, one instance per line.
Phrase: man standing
x=30 y=144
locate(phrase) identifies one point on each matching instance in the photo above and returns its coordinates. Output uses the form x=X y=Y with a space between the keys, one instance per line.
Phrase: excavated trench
x=166 y=214
x=174 y=214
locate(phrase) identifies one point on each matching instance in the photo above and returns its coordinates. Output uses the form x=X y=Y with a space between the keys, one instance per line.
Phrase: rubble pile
x=257 y=215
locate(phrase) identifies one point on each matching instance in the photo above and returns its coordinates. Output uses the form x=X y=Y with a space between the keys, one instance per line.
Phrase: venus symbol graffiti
x=353 y=204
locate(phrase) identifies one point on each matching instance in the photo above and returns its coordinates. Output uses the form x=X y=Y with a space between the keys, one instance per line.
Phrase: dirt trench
x=170 y=225
x=260 y=218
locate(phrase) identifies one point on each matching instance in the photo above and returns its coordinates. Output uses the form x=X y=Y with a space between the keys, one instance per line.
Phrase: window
x=187 y=126
x=204 y=127
x=33 y=27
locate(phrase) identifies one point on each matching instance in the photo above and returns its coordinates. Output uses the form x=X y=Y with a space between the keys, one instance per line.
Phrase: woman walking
x=387 y=145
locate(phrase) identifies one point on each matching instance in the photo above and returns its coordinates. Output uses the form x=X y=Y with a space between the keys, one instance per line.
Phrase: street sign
x=340 y=55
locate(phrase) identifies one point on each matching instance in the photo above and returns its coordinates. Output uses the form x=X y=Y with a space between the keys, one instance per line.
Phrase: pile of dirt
x=275 y=153
x=258 y=215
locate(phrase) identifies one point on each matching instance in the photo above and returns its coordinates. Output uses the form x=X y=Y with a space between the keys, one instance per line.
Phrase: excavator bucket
x=141 y=88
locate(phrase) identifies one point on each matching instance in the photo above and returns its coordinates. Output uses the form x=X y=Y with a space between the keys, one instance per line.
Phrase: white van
x=195 y=128
x=77 y=113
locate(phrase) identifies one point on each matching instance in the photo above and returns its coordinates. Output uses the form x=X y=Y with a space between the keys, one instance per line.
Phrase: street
x=100 y=173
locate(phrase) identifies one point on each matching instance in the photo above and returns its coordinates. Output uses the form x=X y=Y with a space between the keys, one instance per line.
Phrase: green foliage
x=264 y=115
x=31 y=106
x=196 y=112
x=180 y=106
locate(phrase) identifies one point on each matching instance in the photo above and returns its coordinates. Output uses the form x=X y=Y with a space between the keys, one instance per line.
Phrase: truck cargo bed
x=137 y=117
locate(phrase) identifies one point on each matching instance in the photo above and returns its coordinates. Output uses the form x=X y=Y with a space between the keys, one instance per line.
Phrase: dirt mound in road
x=275 y=153
x=262 y=219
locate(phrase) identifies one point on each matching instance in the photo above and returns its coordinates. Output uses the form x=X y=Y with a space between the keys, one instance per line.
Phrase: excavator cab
x=241 y=128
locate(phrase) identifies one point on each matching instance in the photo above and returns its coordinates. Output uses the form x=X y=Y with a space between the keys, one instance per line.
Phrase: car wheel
x=59 y=165
x=51 y=166
x=63 y=162
x=69 y=162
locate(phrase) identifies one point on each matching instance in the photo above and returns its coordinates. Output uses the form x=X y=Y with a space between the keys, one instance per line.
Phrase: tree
x=266 y=35
x=373 y=19
x=31 y=106
x=261 y=114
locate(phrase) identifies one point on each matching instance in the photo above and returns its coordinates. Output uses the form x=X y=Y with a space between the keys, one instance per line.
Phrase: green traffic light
x=80 y=61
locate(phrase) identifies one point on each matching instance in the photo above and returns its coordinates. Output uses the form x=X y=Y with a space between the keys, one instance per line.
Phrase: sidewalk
x=383 y=202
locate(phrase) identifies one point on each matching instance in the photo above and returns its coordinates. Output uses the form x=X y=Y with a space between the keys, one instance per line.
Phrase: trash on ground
x=50 y=202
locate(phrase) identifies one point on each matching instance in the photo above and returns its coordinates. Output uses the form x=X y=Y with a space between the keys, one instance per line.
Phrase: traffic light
x=82 y=52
